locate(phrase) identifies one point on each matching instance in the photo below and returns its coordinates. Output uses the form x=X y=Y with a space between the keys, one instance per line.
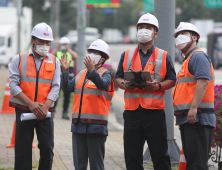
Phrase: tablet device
x=130 y=75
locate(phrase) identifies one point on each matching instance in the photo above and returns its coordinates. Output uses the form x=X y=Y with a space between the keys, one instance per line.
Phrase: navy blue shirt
x=199 y=65
x=170 y=75
x=101 y=83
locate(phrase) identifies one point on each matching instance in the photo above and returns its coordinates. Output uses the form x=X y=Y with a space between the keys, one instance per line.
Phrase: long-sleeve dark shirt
x=101 y=83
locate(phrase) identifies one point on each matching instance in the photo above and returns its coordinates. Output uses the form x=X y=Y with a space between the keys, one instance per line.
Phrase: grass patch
x=175 y=167
x=2 y=162
x=35 y=164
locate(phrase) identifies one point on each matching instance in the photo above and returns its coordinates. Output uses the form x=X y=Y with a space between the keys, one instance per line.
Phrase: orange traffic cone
x=12 y=145
x=183 y=163
x=5 y=106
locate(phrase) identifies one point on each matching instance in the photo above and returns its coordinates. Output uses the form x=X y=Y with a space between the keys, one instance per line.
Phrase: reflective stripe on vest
x=157 y=63
x=183 y=92
x=16 y=100
x=95 y=102
x=142 y=97
x=35 y=85
x=94 y=92
x=24 y=78
x=192 y=79
x=187 y=106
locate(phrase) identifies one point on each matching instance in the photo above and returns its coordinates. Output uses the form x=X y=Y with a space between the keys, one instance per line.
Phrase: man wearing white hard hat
x=193 y=98
x=144 y=115
x=63 y=47
x=34 y=82
x=93 y=89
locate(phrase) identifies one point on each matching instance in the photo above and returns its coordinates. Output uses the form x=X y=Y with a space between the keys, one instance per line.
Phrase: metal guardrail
x=215 y=156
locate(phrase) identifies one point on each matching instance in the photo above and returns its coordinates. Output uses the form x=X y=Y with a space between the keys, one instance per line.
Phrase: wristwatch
x=159 y=86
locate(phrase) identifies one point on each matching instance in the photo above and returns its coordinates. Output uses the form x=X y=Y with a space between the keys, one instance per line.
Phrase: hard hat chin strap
x=185 y=50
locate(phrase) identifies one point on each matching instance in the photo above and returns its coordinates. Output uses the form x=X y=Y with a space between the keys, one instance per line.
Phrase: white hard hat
x=43 y=32
x=64 y=40
x=186 y=26
x=100 y=45
x=149 y=19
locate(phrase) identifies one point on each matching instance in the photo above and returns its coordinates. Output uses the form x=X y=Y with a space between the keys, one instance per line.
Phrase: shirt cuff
x=67 y=72
x=16 y=90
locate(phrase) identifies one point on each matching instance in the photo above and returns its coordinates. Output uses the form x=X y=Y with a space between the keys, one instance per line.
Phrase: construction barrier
x=12 y=144
x=183 y=163
x=5 y=105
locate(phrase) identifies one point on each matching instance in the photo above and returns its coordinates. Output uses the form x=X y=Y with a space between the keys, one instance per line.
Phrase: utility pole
x=164 y=10
x=57 y=18
x=54 y=17
x=19 y=13
x=81 y=23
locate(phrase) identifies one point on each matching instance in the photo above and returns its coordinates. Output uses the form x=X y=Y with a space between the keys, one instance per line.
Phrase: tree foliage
x=123 y=16
x=195 y=9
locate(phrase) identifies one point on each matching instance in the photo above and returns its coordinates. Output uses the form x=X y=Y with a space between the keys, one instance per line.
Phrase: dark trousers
x=23 y=142
x=66 y=102
x=145 y=125
x=66 y=99
x=88 y=146
x=196 y=141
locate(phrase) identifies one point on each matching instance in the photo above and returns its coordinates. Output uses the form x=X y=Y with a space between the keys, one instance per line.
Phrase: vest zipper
x=37 y=80
x=80 y=106
x=175 y=90
x=36 y=87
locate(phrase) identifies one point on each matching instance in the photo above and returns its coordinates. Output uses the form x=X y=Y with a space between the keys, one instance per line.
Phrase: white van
x=8 y=43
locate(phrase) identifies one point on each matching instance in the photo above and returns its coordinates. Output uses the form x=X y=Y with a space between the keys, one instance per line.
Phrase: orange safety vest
x=183 y=92
x=94 y=102
x=143 y=97
x=35 y=85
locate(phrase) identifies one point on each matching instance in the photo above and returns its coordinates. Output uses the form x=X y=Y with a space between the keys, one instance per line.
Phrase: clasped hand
x=39 y=110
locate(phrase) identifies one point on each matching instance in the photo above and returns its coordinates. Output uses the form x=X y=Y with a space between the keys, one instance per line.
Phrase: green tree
x=196 y=10
x=67 y=14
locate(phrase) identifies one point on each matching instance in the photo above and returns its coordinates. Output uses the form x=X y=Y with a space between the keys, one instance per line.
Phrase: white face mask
x=95 y=57
x=182 y=41
x=42 y=49
x=144 y=35
x=63 y=47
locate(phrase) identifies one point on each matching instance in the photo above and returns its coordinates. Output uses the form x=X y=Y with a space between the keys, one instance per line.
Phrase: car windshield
x=219 y=42
x=2 y=41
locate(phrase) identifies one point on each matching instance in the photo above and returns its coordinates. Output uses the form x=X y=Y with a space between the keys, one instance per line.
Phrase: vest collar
x=190 y=53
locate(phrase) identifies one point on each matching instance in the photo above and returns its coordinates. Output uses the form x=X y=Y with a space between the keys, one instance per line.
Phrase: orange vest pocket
x=90 y=84
x=49 y=71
